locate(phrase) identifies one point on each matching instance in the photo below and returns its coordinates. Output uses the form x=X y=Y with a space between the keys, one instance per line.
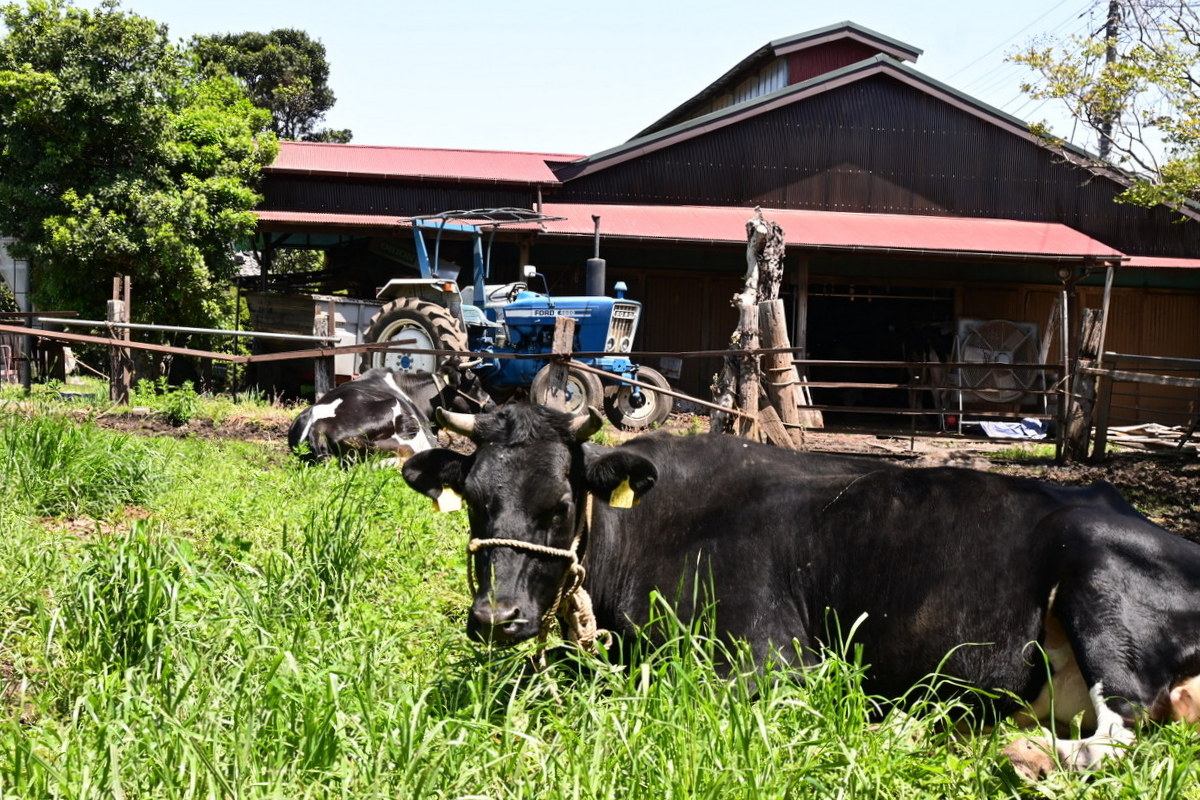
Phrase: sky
x=580 y=77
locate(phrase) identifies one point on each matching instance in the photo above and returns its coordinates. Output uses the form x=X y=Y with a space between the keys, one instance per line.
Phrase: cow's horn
x=584 y=425
x=455 y=421
x=470 y=363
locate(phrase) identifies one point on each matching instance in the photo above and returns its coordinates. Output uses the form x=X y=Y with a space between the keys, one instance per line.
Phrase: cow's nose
x=498 y=622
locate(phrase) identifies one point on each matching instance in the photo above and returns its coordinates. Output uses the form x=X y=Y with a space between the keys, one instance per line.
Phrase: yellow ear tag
x=449 y=500
x=623 y=496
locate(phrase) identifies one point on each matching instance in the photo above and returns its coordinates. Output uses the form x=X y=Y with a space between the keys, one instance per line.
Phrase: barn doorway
x=855 y=322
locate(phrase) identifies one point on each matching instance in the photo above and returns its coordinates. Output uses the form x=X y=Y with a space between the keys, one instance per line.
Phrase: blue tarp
x=1027 y=428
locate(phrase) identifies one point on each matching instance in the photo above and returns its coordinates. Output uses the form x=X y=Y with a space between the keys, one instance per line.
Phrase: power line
x=994 y=77
x=1007 y=41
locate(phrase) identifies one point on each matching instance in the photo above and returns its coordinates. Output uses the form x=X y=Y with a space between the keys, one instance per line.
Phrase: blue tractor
x=431 y=313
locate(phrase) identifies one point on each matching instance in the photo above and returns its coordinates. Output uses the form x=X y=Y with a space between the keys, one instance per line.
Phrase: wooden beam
x=1142 y=377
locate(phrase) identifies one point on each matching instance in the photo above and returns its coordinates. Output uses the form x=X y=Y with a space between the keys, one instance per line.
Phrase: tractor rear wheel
x=646 y=409
x=583 y=390
x=427 y=325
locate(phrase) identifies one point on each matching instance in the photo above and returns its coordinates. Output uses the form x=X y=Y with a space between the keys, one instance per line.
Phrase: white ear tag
x=449 y=500
x=623 y=496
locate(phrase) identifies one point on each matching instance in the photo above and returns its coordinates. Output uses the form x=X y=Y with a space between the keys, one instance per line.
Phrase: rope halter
x=572 y=604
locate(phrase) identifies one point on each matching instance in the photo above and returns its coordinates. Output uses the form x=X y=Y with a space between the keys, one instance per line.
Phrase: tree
x=117 y=157
x=284 y=71
x=1139 y=87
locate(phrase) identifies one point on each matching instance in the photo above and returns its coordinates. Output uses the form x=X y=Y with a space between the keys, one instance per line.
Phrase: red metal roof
x=836 y=230
x=352 y=160
x=888 y=233
x=1161 y=262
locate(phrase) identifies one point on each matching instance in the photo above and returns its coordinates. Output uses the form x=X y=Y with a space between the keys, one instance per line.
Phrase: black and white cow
x=1006 y=575
x=384 y=409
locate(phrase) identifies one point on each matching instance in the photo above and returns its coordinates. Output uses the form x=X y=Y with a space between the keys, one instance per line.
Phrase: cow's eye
x=556 y=513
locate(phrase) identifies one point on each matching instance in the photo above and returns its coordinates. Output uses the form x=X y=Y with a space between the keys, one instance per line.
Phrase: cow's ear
x=434 y=472
x=621 y=478
x=1185 y=701
x=585 y=426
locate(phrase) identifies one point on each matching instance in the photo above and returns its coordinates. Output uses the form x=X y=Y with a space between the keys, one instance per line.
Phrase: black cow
x=1004 y=574
x=384 y=409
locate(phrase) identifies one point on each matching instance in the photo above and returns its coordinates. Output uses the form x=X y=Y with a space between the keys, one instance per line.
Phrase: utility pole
x=1110 y=55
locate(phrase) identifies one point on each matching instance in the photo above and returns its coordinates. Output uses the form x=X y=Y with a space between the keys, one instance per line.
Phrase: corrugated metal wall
x=1160 y=324
x=1155 y=323
x=878 y=145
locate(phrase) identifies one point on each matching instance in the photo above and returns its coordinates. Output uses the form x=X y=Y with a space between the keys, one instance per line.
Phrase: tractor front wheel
x=643 y=410
x=425 y=325
x=583 y=389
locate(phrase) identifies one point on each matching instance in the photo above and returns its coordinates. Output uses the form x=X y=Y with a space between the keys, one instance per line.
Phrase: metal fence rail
x=931 y=387
x=1177 y=373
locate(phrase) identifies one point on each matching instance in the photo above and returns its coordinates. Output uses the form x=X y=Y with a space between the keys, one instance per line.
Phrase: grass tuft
x=54 y=466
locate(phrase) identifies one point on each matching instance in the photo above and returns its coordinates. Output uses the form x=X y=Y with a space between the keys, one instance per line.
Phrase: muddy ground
x=1165 y=485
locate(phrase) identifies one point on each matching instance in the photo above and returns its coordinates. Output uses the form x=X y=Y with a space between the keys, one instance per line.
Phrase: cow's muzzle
x=500 y=623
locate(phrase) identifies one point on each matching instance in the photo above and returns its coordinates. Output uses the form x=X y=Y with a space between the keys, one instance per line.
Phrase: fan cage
x=993 y=343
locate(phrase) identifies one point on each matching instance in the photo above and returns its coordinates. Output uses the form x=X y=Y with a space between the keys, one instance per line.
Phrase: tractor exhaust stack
x=594 y=280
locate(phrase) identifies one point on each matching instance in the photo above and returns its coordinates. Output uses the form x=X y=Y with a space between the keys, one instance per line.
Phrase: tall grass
x=272 y=631
x=54 y=466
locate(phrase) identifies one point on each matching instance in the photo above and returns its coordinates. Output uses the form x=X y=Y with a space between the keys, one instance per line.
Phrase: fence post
x=120 y=373
x=564 y=340
x=1103 y=403
x=323 y=366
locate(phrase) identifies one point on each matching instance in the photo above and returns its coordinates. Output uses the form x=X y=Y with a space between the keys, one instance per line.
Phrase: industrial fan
x=994 y=343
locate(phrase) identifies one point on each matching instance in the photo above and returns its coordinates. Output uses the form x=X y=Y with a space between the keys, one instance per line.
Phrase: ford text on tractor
x=431 y=313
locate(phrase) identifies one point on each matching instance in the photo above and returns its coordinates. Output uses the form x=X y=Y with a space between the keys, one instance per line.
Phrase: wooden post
x=120 y=374
x=564 y=340
x=1103 y=404
x=1083 y=387
x=747 y=373
x=781 y=375
x=1064 y=380
x=774 y=430
x=323 y=372
x=738 y=381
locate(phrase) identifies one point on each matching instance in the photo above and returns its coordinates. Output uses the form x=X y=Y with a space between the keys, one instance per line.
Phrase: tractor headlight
x=610 y=344
x=626 y=345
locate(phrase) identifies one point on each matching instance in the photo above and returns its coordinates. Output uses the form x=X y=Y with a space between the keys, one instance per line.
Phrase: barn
x=913 y=214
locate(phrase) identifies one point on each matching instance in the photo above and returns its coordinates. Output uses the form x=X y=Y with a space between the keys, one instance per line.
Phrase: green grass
x=232 y=625
x=1024 y=452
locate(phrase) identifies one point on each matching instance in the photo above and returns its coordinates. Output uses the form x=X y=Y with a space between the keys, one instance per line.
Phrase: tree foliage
x=284 y=71
x=117 y=157
x=1145 y=83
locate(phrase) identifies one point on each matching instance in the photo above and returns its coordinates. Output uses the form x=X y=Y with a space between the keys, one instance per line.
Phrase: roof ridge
x=537 y=153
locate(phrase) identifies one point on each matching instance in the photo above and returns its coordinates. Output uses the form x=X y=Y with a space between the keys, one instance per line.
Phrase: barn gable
x=874 y=137
x=785 y=62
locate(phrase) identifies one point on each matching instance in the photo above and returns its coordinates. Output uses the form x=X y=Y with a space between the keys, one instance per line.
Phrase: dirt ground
x=1164 y=485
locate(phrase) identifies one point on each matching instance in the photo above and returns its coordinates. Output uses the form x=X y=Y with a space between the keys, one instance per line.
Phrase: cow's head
x=462 y=390
x=527 y=482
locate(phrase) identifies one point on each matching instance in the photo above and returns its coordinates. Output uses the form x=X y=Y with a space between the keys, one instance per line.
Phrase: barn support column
x=810 y=417
x=264 y=262
x=1105 y=389
x=800 y=312
x=1064 y=379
